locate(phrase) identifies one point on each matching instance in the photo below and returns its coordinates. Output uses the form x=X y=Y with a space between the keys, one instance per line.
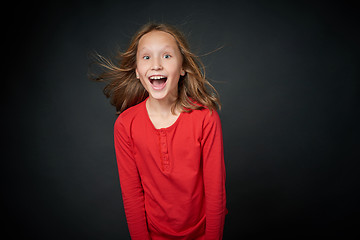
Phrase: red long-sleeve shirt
x=172 y=179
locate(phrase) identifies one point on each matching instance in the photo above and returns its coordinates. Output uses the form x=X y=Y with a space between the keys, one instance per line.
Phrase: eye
x=146 y=57
x=167 y=56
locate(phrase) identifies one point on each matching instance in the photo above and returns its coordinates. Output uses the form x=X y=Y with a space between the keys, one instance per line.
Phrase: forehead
x=157 y=39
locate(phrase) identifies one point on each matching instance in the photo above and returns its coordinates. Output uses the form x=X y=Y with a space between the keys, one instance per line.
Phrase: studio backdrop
x=288 y=77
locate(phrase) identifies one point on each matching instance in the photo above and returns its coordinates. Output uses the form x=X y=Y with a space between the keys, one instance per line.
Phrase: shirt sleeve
x=214 y=176
x=131 y=187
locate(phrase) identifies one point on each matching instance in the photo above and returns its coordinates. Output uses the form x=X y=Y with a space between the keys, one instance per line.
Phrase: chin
x=162 y=95
x=157 y=95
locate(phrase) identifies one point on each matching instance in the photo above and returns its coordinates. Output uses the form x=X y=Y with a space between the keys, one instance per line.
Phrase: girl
x=168 y=138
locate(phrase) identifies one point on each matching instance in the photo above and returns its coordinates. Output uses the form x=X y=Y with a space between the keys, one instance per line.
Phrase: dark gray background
x=288 y=76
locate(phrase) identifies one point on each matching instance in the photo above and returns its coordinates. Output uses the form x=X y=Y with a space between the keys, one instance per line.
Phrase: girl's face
x=159 y=65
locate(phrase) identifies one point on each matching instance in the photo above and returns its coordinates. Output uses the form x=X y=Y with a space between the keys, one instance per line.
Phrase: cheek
x=141 y=67
x=176 y=68
x=144 y=84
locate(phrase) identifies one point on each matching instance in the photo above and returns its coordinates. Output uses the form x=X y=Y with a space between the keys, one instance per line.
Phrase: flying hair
x=125 y=90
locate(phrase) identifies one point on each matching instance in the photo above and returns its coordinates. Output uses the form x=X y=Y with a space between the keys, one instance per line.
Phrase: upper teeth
x=156 y=77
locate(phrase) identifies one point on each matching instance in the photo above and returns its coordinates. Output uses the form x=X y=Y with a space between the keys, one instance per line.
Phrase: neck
x=162 y=107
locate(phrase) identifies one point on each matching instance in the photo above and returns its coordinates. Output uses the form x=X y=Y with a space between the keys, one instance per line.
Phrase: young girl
x=168 y=138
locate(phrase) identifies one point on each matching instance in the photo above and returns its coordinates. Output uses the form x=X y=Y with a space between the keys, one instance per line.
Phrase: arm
x=214 y=177
x=131 y=188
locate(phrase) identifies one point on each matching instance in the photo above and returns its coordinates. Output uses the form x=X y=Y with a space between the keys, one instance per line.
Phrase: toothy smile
x=158 y=81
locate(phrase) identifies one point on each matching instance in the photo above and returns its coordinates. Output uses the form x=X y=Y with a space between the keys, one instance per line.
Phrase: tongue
x=158 y=82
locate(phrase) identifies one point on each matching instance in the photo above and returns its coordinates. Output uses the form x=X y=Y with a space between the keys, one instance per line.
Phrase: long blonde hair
x=125 y=90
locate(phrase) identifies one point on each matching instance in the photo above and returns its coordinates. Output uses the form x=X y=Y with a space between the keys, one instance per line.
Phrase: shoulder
x=127 y=117
x=205 y=122
x=203 y=111
x=204 y=116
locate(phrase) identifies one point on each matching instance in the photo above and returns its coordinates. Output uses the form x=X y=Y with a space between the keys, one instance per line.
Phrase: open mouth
x=158 y=81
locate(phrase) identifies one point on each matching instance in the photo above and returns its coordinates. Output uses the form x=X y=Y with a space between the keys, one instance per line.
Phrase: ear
x=182 y=72
x=137 y=73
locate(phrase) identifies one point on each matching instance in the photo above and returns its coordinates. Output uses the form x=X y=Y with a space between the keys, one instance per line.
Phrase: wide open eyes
x=166 y=56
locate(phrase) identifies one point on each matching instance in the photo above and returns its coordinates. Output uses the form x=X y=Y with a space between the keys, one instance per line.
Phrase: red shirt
x=172 y=179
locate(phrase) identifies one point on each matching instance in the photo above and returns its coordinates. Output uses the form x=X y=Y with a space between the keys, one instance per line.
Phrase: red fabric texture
x=172 y=179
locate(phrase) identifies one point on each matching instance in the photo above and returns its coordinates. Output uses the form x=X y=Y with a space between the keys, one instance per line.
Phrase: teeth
x=156 y=77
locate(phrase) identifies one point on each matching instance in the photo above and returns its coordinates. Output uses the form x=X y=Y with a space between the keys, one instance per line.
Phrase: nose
x=156 y=64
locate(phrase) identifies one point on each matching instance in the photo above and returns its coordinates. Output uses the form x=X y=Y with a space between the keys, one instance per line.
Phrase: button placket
x=165 y=163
